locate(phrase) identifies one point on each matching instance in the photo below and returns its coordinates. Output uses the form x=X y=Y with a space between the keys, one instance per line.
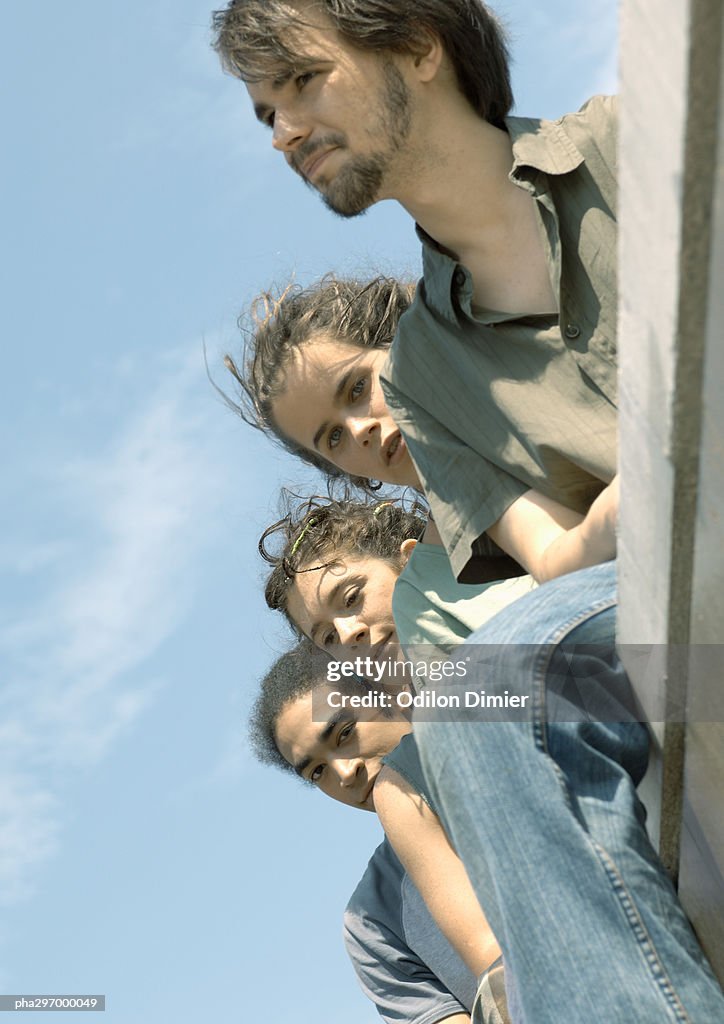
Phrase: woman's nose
x=362 y=429
x=351 y=631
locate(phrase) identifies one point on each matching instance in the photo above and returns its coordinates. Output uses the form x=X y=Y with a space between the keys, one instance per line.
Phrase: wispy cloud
x=593 y=37
x=137 y=515
x=566 y=50
x=201 y=110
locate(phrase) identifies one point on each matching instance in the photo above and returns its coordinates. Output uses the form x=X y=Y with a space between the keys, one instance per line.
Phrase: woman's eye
x=304 y=78
x=329 y=638
x=358 y=388
x=335 y=436
x=316 y=774
x=351 y=597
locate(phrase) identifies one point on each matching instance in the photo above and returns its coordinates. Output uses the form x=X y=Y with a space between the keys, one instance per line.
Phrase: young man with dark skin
x=415 y=968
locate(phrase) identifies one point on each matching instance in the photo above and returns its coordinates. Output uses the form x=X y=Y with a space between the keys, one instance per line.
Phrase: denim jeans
x=543 y=812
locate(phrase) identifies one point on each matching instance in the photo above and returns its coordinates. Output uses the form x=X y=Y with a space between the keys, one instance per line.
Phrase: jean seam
x=579 y=618
x=543 y=660
x=644 y=940
x=646 y=945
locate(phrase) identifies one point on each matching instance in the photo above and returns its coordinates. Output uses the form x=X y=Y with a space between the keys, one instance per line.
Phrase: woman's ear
x=406 y=549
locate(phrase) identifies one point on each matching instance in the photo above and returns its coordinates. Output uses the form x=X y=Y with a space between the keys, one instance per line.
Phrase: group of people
x=516 y=882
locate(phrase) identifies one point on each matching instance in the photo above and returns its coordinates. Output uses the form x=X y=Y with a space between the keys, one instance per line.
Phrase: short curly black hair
x=293 y=675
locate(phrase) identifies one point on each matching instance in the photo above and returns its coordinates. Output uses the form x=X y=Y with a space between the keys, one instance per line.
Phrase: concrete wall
x=671 y=551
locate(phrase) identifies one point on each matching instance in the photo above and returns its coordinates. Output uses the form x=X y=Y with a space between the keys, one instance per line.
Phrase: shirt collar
x=537 y=146
x=541 y=146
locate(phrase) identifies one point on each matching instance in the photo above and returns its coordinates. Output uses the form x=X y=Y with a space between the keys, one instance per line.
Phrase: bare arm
x=437 y=872
x=550 y=539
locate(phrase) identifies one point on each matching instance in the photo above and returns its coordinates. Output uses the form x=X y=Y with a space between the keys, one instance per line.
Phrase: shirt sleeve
x=589 y=291
x=598 y=119
x=402 y=988
x=431 y=608
x=467 y=493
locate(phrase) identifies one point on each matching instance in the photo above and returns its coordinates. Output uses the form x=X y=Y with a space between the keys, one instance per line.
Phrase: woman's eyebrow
x=339 y=392
x=329 y=600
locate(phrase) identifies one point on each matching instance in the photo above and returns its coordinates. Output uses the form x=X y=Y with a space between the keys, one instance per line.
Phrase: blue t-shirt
x=404 y=963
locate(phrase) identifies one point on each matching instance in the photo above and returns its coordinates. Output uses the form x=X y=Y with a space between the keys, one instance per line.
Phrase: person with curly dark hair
x=310 y=378
x=417 y=949
x=358 y=572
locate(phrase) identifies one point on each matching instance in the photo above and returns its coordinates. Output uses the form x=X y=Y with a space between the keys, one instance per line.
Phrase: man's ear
x=428 y=55
x=406 y=549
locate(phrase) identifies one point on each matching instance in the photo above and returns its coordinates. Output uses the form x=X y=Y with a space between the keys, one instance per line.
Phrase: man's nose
x=348 y=769
x=351 y=631
x=289 y=131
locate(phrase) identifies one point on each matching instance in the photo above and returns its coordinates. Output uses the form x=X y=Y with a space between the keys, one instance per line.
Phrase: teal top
x=492 y=404
x=431 y=607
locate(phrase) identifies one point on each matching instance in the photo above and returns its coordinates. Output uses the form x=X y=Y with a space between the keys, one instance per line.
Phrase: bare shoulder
x=403 y=812
x=394 y=793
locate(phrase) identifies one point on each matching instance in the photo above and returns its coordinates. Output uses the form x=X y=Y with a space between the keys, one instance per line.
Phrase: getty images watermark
x=405 y=683
x=527 y=683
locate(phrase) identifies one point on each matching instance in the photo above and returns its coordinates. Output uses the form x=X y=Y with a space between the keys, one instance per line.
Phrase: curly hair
x=256 y=39
x=317 y=533
x=293 y=675
x=361 y=313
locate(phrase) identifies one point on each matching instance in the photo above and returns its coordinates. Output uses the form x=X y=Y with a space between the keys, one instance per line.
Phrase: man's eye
x=358 y=388
x=345 y=732
x=305 y=77
x=334 y=437
x=316 y=774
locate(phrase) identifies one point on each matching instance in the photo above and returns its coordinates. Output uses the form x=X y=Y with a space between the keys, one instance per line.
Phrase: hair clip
x=295 y=546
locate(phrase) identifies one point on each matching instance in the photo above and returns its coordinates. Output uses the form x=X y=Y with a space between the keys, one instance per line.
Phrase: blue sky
x=142 y=853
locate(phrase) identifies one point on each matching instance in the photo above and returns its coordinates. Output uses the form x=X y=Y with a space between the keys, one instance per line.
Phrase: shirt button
x=572 y=331
x=459 y=277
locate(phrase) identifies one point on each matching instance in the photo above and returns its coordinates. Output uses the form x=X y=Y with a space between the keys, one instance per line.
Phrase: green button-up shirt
x=492 y=404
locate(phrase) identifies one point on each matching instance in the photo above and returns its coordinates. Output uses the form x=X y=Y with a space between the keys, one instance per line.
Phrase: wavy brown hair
x=316 y=533
x=256 y=39
x=361 y=313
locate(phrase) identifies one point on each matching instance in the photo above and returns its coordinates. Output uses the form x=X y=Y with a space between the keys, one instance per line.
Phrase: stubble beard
x=358 y=184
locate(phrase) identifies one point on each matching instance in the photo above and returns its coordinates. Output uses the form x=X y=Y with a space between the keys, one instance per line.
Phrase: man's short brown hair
x=255 y=39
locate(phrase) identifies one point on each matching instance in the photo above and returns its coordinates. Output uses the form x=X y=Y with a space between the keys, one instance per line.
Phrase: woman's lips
x=396 y=449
